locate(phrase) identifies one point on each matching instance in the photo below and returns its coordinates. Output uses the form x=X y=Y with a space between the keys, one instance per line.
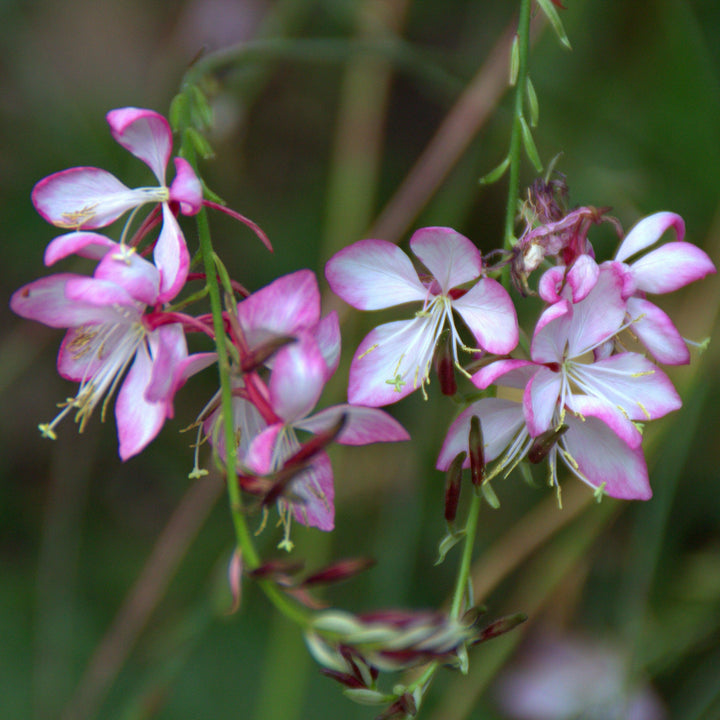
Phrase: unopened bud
x=365 y=696
x=338 y=571
x=499 y=627
x=324 y=654
x=337 y=621
x=453 y=480
x=276 y=569
x=235 y=569
x=345 y=679
x=445 y=366
x=544 y=443
x=477 y=452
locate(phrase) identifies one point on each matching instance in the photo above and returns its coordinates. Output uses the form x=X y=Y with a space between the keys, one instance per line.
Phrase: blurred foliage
x=635 y=111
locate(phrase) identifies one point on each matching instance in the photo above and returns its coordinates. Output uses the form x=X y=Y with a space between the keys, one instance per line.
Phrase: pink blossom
x=85 y=198
x=662 y=270
x=591 y=405
x=299 y=374
x=281 y=310
x=267 y=418
x=568 y=677
x=395 y=358
x=109 y=334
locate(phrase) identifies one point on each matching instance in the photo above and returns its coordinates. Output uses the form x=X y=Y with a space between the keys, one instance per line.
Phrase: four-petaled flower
x=86 y=198
x=108 y=333
x=662 y=270
x=299 y=374
x=569 y=382
x=395 y=359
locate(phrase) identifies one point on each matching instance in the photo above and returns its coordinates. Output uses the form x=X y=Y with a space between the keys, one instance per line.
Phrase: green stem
x=251 y=559
x=463 y=576
x=523 y=35
x=328 y=50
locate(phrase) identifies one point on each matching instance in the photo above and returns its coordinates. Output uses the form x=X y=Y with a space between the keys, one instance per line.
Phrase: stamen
x=368 y=351
x=77 y=218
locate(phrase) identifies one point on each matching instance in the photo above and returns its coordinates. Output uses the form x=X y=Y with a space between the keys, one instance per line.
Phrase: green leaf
x=202 y=146
x=533 y=105
x=202 y=112
x=447 y=544
x=552 y=15
x=490 y=497
x=178 y=114
x=514 y=60
x=224 y=276
x=529 y=144
x=495 y=174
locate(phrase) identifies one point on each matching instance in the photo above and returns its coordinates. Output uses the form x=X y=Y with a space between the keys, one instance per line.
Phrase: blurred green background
x=318 y=125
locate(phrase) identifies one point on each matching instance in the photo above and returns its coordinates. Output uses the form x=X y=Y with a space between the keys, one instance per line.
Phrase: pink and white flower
x=109 y=332
x=395 y=358
x=299 y=374
x=283 y=309
x=268 y=418
x=662 y=270
x=86 y=198
x=567 y=384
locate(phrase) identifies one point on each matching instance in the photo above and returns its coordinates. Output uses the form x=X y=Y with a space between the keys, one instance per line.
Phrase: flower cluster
x=123 y=335
x=581 y=395
x=115 y=319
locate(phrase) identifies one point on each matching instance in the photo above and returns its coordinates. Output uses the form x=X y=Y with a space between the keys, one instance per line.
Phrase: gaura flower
x=566 y=677
x=667 y=268
x=279 y=311
x=581 y=405
x=298 y=377
x=395 y=358
x=109 y=332
x=86 y=198
x=662 y=270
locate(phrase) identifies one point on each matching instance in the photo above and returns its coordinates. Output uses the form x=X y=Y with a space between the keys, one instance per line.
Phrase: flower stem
x=463 y=576
x=523 y=43
x=251 y=559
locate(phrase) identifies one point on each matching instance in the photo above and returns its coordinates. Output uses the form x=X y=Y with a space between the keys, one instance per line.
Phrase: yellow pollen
x=77 y=218
x=82 y=341
x=124 y=254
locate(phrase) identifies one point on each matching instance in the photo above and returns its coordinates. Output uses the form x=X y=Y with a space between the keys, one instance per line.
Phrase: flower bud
x=453 y=480
x=445 y=365
x=338 y=571
x=477 y=452
x=544 y=442
x=235 y=570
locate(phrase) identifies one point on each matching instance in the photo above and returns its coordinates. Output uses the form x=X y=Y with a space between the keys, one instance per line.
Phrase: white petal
x=648 y=231
x=146 y=134
x=450 y=257
x=392 y=361
x=490 y=315
x=374 y=274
